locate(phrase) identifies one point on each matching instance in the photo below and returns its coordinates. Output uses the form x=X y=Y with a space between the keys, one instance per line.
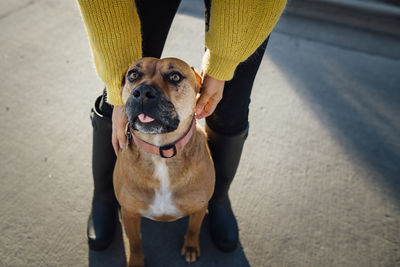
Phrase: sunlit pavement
x=318 y=184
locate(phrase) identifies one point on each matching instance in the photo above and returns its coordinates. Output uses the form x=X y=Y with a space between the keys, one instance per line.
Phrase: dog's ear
x=199 y=80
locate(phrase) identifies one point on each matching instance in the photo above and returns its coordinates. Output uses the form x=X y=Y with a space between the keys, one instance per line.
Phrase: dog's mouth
x=143 y=118
x=156 y=118
x=149 y=125
x=145 y=124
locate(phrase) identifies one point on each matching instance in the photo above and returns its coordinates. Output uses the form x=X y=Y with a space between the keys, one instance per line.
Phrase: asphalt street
x=319 y=179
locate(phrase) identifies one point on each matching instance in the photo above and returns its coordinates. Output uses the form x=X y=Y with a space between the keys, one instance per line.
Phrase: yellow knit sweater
x=236 y=29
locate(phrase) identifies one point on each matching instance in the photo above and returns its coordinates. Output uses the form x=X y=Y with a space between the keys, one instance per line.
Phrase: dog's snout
x=145 y=92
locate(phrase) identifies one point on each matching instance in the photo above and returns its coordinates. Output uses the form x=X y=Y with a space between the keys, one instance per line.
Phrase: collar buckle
x=128 y=133
x=167 y=149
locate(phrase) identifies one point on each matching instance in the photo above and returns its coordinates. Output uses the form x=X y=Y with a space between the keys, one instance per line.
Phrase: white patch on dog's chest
x=162 y=203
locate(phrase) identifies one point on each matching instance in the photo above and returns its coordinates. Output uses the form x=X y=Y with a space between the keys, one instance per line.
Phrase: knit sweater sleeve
x=236 y=29
x=114 y=34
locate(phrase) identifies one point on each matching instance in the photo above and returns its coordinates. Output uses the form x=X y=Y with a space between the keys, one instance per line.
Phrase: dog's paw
x=191 y=253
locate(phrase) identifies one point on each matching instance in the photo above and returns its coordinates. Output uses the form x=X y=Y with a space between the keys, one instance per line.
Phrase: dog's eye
x=174 y=77
x=133 y=75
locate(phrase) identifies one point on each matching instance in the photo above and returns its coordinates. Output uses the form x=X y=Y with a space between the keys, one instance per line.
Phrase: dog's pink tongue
x=143 y=118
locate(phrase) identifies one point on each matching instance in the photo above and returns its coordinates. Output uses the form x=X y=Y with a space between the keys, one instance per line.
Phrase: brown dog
x=166 y=172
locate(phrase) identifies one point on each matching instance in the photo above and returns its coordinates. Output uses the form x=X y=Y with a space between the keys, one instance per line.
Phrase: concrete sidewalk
x=319 y=180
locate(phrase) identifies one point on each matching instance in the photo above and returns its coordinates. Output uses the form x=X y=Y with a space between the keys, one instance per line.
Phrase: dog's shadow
x=162 y=244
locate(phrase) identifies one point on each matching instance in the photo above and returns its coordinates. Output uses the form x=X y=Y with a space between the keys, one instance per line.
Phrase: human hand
x=119 y=121
x=210 y=95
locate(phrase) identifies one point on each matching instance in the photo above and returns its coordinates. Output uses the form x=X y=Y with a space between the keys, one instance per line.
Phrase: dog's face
x=159 y=93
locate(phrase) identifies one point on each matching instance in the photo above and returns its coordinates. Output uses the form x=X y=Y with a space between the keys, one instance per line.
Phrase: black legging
x=231 y=115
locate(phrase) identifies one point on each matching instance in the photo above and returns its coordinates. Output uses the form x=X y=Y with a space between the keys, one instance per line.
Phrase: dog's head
x=159 y=93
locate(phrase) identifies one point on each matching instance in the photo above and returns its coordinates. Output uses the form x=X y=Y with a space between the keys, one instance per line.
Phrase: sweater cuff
x=218 y=67
x=113 y=95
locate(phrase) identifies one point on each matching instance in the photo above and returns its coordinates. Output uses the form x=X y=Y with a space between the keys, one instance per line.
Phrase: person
x=122 y=31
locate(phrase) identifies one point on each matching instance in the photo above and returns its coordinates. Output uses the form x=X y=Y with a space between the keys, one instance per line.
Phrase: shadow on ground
x=162 y=243
x=356 y=99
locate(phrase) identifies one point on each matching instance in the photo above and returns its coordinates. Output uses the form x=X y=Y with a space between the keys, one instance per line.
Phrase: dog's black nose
x=145 y=92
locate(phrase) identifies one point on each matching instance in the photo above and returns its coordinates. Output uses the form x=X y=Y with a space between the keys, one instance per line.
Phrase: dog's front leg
x=132 y=228
x=191 y=247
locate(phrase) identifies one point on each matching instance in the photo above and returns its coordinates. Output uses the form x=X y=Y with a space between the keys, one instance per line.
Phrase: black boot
x=226 y=151
x=103 y=216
